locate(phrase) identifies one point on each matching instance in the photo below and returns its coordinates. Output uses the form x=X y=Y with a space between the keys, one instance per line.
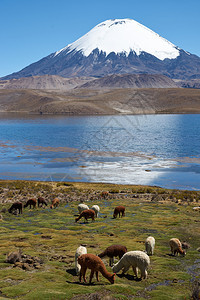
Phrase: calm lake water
x=162 y=150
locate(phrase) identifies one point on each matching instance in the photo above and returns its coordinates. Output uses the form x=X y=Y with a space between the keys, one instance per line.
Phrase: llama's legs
x=80 y=275
x=111 y=261
x=143 y=274
x=135 y=271
x=83 y=272
x=91 y=275
x=97 y=275
x=125 y=269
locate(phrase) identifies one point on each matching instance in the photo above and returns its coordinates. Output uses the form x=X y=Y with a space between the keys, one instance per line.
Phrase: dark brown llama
x=16 y=206
x=119 y=210
x=31 y=202
x=41 y=202
x=113 y=251
x=87 y=213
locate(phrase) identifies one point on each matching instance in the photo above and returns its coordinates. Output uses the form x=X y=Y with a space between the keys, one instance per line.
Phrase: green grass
x=53 y=235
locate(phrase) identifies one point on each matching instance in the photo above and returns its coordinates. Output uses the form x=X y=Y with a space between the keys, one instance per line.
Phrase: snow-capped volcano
x=123 y=36
x=117 y=46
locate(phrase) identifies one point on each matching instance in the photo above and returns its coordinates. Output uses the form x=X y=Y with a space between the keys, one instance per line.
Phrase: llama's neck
x=118 y=266
x=104 y=253
x=181 y=250
x=104 y=272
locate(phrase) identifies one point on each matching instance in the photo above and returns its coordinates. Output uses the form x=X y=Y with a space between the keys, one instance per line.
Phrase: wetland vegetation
x=48 y=239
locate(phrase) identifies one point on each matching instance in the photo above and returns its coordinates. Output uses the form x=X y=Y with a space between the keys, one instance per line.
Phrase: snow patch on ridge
x=123 y=36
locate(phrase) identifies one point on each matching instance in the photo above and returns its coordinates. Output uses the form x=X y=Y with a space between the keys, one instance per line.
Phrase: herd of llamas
x=138 y=260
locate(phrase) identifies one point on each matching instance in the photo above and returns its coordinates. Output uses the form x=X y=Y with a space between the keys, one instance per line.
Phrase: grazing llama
x=176 y=247
x=95 y=264
x=96 y=209
x=16 y=206
x=41 y=202
x=150 y=245
x=31 y=202
x=55 y=203
x=79 y=251
x=88 y=213
x=119 y=210
x=135 y=259
x=82 y=207
x=104 y=194
x=113 y=251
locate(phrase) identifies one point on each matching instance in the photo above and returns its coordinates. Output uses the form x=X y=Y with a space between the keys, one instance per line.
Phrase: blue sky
x=31 y=30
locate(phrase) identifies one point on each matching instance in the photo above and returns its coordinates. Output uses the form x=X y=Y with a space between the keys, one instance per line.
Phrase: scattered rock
x=23 y=261
x=102 y=295
x=47 y=237
x=156 y=198
x=14 y=257
x=27 y=267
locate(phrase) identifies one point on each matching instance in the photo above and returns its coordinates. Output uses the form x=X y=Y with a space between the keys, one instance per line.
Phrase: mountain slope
x=54 y=82
x=51 y=82
x=117 y=47
x=130 y=81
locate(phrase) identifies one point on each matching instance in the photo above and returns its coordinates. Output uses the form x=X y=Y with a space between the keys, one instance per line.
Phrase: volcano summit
x=117 y=47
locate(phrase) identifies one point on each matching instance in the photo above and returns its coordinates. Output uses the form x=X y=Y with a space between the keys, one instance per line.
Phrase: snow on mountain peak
x=123 y=36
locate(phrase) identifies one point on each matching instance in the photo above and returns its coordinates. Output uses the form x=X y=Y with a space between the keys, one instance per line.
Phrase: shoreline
x=96 y=185
x=88 y=102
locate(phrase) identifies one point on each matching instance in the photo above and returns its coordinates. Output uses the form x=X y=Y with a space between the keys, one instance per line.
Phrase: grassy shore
x=52 y=236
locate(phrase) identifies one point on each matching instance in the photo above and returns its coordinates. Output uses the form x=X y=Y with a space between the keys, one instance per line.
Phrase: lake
x=161 y=150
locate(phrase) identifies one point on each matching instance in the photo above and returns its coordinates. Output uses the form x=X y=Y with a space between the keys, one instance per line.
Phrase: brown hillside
x=101 y=102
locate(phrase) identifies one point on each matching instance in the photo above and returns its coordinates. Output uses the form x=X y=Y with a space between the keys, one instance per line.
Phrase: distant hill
x=53 y=82
x=50 y=82
x=130 y=81
x=191 y=84
x=100 y=102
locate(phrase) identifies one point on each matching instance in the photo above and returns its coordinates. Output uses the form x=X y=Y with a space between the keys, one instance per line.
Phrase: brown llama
x=176 y=247
x=55 y=203
x=87 y=213
x=41 y=202
x=104 y=194
x=113 y=251
x=119 y=210
x=31 y=202
x=95 y=264
x=16 y=206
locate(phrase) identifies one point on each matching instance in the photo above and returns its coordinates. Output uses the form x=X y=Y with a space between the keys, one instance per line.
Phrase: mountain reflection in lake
x=161 y=150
